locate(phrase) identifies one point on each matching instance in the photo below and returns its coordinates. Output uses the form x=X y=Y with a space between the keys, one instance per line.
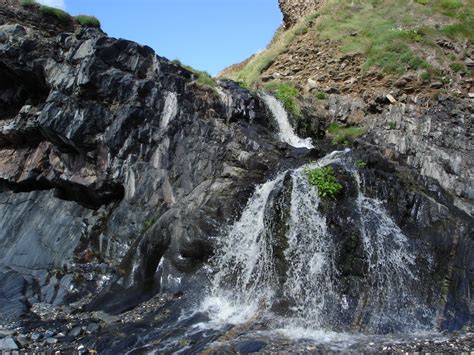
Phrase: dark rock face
x=112 y=157
x=436 y=141
x=118 y=171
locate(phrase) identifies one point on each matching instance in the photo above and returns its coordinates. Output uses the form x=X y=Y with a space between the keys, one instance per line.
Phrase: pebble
x=92 y=327
x=8 y=344
x=391 y=99
x=51 y=340
x=36 y=336
x=106 y=318
x=75 y=332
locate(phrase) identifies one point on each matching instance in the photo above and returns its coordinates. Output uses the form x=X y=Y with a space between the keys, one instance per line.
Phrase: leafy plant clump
x=325 y=181
x=343 y=135
x=321 y=95
x=457 y=67
x=88 y=21
x=61 y=15
x=288 y=94
x=360 y=164
x=149 y=222
x=201 y=77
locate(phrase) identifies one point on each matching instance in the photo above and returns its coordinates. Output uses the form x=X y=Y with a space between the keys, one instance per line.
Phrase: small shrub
x=426 y=76
x=88 y=21
x=457 y=67
x=204 y=78
x=343 y=135
x=301 y=31
x=61 y=15
x=243 y=85
x=149 y=222
x=360 y=164
x=201 y=77
x=392 y=125
x=412 y=35
x=450 y=4
x=321 y=95
x=288 y=94
x=28 y=3
x=325 y=181
x=422 y=2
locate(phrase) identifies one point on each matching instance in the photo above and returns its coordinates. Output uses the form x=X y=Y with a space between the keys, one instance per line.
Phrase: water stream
x=247 y=286
x=275 y=268
x=286 y=132
x=280 y=255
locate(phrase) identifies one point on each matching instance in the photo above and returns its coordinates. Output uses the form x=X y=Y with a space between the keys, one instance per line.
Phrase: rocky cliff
x=294 y=10
x=108 y=152
x=119 y=174
x=421 y=115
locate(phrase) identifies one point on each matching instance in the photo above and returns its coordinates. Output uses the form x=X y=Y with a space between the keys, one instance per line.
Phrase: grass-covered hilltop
x=342 y=46
x=60 y=15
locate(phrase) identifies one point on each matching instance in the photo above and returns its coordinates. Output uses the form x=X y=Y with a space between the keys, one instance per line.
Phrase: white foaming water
x=310 y=283
x=286 y=131
x=244 y=259
x=246 y=284
x=391 y=264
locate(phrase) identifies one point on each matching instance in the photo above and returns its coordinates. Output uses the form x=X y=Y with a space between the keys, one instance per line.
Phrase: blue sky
x=206 y=34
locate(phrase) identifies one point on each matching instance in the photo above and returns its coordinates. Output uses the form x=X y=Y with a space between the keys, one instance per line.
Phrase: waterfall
x=244 y=260
x=247 y=283
x=286 y=131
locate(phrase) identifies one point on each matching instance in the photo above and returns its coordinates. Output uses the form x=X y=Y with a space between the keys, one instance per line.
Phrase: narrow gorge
x=144 y=212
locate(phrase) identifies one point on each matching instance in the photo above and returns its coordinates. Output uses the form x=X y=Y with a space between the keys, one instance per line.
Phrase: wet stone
x=92 y=327
x=75 y=332
x=249 y=346
x=8 y=344
x=36 y=336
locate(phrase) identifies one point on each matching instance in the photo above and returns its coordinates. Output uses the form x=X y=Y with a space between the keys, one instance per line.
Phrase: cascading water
x=286 y=131
x=248 y=282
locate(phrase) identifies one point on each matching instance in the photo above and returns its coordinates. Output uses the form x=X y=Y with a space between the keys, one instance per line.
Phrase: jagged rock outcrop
x=293 y=10
x=435 y=138
x=111 y=156
x=118 y=172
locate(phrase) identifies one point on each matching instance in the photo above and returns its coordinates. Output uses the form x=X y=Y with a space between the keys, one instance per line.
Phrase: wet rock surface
x=112 y=158
x=118 y=172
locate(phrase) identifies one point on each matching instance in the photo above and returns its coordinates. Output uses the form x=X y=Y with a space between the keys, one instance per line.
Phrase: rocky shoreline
x=120 y=171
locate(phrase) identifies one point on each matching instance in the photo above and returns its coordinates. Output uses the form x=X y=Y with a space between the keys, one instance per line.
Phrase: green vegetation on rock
x=249 y=75
x=360 y=164
x=391 y=34
x=343 y=135
x=88 y=21
x=61 y=15
x=325 y=181
x=28 y=3
x=457 y=67
x=321 y=95
x=288 y=94
x=201 y=77
x=149 y=222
